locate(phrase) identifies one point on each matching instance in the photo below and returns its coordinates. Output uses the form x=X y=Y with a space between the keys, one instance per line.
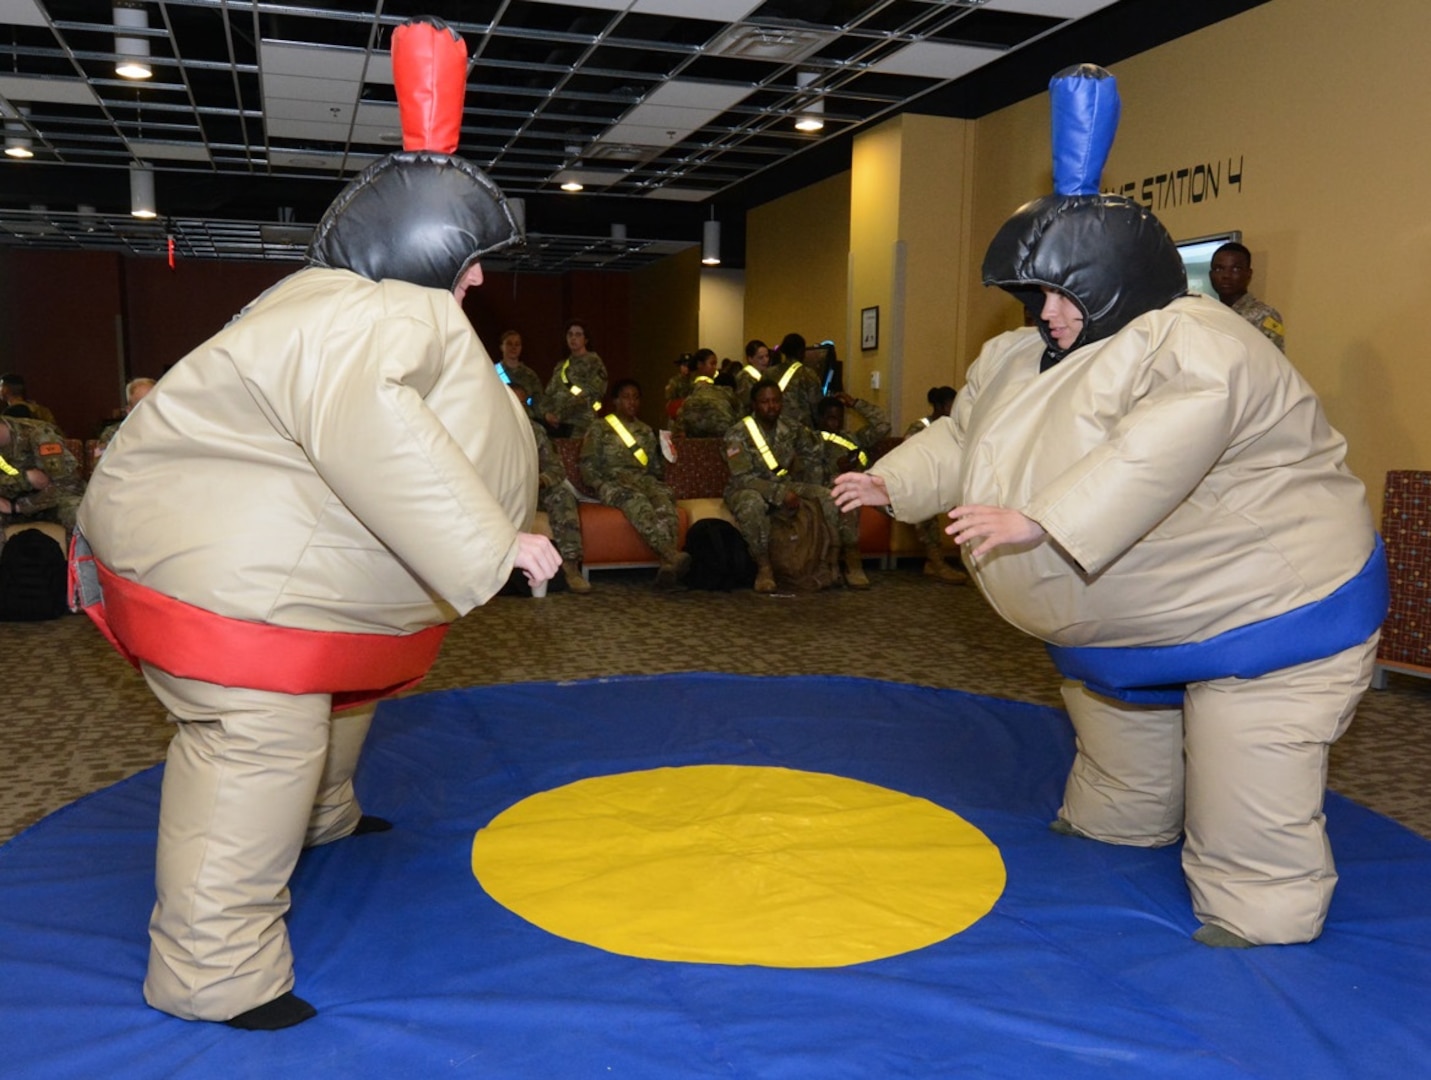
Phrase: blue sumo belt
x=1158 y=674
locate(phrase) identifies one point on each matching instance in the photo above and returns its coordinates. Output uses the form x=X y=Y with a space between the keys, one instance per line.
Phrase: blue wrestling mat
x=1069 y=958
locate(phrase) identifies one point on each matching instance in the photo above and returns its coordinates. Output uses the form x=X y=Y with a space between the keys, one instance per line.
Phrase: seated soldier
x=525 y=382
x=12 y=397
x=709 y=409
x=799 y=383
x=679 y=385
x=557 y=499
x=775 y=463
x=39 y=478
x=621 y=461
x=931 y=530
x=135 y=391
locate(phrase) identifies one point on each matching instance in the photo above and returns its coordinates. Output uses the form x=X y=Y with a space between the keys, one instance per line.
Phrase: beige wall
x=796 y=265
x=722 y=315
x=1325 y=106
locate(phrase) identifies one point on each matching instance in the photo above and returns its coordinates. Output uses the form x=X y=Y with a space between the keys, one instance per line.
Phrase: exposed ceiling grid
x=257 y=105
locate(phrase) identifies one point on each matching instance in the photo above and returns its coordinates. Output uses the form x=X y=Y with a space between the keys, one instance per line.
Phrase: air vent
x=787 y=43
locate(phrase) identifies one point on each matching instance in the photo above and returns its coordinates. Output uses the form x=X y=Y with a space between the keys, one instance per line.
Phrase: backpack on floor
x=720 y=559
x=32 y=577
x=804 y=553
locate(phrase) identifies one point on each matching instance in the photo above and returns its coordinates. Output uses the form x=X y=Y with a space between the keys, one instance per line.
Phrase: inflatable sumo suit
x=288 y=525
x=1210 y=583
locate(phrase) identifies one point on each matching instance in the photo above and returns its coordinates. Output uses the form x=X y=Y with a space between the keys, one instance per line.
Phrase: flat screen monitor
x=1197 y=258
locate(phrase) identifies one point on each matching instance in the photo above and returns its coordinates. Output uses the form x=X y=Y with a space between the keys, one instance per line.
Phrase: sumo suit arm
x=1182 y=420
x=375 y=442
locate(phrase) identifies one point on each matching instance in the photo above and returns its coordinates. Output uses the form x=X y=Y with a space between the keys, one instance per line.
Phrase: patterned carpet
x=77 y=718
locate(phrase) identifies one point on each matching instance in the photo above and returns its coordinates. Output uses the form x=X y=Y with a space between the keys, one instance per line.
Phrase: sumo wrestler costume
x=1210 y=582
x=287 y=526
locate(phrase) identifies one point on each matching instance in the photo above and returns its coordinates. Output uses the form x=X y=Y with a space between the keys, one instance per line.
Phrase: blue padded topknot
x=1085 y=117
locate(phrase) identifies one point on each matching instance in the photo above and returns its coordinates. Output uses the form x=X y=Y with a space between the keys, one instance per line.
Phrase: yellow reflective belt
x=7 y=468
x=576 y=391
x=789 y=374
x=627 y=438
x=763 y=446
x=840 y=440
x=924 y=420
x=753 y=372
x=705 y=378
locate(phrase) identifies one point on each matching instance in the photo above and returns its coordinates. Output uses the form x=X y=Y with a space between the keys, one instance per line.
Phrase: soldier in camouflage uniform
x=574 y=392
x=799 y=384
x=525 y=382
x=775 y=463
x=621 y=461
x=845 y=450
x=709 y=409
x=755 y=368
x=1231 y=273
x=135 y=391
x=679 y=384
x=39 y=478
x=556 y=497
x=931 y=530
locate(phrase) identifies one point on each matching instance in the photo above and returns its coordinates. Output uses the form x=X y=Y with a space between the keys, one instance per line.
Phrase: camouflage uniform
x=709 y=409
x=836 y=457
x=678 y=386
x=527 y=383
x=931 y=530
x=1263 y=316
x=755 y=491
x=556 y=497
x=587 y=376
x=801 y=391
x=35 y=444
x=745 y=381
x=612 y=470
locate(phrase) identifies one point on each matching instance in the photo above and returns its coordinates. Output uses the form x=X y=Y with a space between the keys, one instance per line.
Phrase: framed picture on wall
x=869 y=328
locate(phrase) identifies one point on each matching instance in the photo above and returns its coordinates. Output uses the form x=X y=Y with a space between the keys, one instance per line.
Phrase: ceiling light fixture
x=572 y=184
x=133 y=50
x=812 y=113
x=141 y=191
x=710 y=241
x=18 y=143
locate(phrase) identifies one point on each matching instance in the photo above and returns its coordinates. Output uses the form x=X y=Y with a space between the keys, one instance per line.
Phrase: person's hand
x=37 y=479
x=792 y=501
x=552 y=420
x=537 y=558
x=846 y=399
x=994 y=525
x=854 y=489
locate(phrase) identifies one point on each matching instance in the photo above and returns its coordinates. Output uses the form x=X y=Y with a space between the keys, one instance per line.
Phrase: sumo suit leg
x=1257 y=858
x=1126 y=785
x=240 y=781
x=335 y=810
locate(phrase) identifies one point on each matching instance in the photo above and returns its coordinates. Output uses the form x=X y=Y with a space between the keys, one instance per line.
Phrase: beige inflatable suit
x=1206 y=559
x=287 y=525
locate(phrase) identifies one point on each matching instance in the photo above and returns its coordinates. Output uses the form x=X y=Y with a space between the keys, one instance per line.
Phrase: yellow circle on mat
x=734 y=864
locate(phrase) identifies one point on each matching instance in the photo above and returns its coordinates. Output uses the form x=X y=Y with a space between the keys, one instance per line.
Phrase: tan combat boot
x=673 y=569
x=764 y=576
x=855 y=569
x=572 y=575
x=937 y=568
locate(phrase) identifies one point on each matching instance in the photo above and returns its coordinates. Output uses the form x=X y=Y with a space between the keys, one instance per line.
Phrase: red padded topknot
x=430 y=74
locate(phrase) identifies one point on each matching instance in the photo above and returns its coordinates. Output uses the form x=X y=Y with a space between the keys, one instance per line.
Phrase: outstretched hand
x=994 y=526
x=853 y=489
x=537 y=558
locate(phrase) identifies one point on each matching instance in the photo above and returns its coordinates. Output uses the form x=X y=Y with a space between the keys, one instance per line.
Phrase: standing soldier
x=621 y=462
x=525 y=382
x=39 y=478
x=574 y=392
x=757 y=363
x=799 y=385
